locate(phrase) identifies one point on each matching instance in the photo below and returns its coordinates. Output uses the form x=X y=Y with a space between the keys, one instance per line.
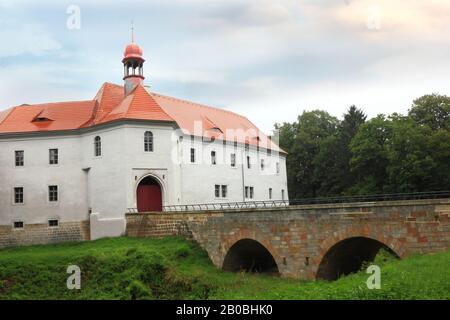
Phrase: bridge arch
x=250 y=256
x=348 y=255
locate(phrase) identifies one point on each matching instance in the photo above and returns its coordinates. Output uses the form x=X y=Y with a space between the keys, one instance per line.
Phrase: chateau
x=71 y=170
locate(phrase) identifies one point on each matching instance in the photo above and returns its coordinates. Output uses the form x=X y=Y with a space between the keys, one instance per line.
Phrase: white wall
x=161 y=163
x=35 y=177
x=114 y=176
x=106 y=173
x=107 y=184
x=199 y=178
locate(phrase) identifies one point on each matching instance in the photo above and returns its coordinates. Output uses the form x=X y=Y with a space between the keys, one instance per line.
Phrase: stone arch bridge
x=306 y=241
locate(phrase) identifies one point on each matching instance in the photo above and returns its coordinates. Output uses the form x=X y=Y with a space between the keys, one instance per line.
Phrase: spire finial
x=132 y=31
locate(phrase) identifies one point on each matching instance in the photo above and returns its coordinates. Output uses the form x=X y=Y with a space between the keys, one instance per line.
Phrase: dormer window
x=216 y=129
x=41 y=119
x=211 y=126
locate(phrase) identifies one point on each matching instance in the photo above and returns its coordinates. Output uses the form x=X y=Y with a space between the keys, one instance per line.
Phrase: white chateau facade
x=71 y=170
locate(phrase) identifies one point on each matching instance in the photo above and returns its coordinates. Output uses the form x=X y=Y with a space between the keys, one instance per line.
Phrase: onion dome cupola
x=133 y=64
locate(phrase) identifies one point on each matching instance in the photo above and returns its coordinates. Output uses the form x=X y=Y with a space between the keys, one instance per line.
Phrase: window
x=269 y=152
x=53 y=156
x=247 y=147
x=53 y=193
x=97 y=146
x=248 y=162
x=19 y=158
x=278 y=167
x=18 y=224
x=262 y=164
x=148 y=141
x=249 y=192
x=217 y=191
x=224 y=191
x=220 y=191
x=270 y=193
x=213 y=157
x=18 y=195
x=282 y=194
x=233 y=159
x=192 y=155
x=53 y=223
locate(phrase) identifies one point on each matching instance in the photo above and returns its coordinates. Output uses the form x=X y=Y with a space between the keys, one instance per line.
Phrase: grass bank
x=173 y=268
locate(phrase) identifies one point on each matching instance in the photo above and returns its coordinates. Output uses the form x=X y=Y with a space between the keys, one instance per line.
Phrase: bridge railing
x=221 y=206
x=227 y=206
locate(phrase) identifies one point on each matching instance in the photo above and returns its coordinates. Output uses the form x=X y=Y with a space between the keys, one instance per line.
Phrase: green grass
x=173 y=268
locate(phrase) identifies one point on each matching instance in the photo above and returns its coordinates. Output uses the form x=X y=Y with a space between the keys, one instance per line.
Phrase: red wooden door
x=149 y=198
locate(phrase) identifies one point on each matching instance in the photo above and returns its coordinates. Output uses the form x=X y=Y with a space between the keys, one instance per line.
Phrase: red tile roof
x=110 y=104
x=218 y=123
x=4 y=114
x=60 y=116
x=139 y=105
x=108 y=97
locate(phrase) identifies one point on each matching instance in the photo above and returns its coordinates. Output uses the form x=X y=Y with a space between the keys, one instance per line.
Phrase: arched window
x=148 y=141
x=97 y=146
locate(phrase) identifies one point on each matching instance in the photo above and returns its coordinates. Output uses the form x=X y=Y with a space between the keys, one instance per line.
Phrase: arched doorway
x=347 y=256
x=149 y=195
x=250 y=256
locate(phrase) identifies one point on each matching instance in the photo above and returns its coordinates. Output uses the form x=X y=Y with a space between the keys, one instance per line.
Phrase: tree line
x=356 y=156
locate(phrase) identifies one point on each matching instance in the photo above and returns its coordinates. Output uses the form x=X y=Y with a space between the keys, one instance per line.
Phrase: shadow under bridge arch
x=348 y=256
x=249 y=256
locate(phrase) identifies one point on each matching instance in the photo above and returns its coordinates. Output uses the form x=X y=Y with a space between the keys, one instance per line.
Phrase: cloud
x=412 y=17
x=39 y=84
x=268 y=60
x=26 y=39
x=250 y=13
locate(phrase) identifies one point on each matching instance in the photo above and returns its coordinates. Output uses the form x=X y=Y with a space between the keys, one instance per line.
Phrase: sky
x=268 y=60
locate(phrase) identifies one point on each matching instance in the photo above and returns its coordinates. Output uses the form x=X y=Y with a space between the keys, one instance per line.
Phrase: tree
x=353 y=119
x=287 y=133
x=432 y=110
x=387 y=154
x=439 y=143
x=303 y=140
x=369 y=157
x=348 y=128
x=327 y=167
x=411 y=167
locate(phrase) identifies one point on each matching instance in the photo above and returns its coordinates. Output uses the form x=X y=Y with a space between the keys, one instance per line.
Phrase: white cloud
x=412 y=17
x=26 y=39
x=39 y=84
x=268 y=60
